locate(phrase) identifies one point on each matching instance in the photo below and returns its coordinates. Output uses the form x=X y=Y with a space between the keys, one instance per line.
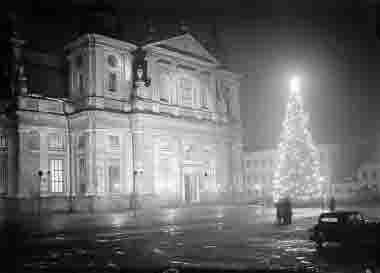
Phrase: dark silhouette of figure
x=288 y=211
x=278 y=212
x=282 y=211
x=332 y=204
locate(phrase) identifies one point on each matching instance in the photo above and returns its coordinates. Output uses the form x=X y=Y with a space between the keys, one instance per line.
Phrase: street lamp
x=40 y=173
x=134 y=199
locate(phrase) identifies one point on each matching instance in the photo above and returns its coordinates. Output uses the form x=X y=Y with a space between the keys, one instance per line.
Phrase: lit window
x=56 y=142
x=82 y=167
x=205 y=83
x=187 y=91
x=56 y=175
x=3 y=142
x=204 y=98
x=114 y=141
x=112 y=81
x=164 y=87
x=114 y=177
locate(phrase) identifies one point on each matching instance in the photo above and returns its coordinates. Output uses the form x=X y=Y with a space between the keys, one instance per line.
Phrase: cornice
x=179 y=56
x=97 y=39
x=229 y=75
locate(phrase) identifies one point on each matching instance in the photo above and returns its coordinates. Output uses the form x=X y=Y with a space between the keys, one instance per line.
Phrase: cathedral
x=156 y=123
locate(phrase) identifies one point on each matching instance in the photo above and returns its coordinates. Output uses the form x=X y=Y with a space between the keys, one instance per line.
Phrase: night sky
x=331 y=45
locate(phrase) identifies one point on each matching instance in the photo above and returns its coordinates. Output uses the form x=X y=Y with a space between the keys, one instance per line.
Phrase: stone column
x=44 y=162
x=152 y=67
x=173 y=84
x=98 y=71
x=91 y=186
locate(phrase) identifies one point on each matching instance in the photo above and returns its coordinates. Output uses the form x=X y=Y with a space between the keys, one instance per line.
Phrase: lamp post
x=134 y=199
x=40 y=174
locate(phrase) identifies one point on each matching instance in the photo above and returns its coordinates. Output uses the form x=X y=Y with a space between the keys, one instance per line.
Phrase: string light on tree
x=297 y=174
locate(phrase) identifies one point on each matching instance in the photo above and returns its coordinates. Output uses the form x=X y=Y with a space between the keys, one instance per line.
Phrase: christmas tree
x=297 y=175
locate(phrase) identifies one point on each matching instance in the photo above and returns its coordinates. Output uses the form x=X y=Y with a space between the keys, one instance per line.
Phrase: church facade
x=158 y=122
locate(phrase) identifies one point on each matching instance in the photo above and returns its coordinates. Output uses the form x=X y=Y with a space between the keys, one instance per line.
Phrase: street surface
x=211 y=237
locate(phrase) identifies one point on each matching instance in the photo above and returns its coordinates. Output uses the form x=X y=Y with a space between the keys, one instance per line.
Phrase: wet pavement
x=241 y=237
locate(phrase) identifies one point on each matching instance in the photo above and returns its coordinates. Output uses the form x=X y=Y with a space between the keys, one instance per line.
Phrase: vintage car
x=345 y=228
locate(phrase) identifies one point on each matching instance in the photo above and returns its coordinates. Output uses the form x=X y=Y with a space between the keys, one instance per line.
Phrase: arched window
x=113 y=72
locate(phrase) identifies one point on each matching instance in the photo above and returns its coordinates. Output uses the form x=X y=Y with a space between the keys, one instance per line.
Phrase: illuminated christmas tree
x=297 y=174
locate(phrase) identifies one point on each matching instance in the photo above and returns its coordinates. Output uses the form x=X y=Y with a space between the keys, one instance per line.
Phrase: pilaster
x=91 y=189
x=13 y=147
x=44 y=162
x=138 y=155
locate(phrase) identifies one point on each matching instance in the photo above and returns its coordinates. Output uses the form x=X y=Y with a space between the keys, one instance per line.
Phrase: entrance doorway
x=191 y=183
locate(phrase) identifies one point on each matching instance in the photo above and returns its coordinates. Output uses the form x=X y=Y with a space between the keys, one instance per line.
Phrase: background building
x=347 y=168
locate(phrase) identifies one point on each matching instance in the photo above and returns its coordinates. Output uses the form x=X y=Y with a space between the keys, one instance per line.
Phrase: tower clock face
x=112 y=61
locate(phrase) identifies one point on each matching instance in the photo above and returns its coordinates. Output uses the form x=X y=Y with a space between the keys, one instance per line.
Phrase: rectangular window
x=56 y=175
x=164 y=87
x=56 y=142
x=3 y=142
x=3 y=173
x=114 y=176
x=112 y=81
x=82 y=167
x=187 y=91
x=114 y=141
x=82 y=141
x=204 y=98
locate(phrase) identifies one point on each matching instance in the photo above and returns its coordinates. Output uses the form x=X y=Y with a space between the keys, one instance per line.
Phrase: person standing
x=278 y=212
x=289 y=210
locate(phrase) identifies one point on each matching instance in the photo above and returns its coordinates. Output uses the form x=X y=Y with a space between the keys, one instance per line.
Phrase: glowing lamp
x=295 y=85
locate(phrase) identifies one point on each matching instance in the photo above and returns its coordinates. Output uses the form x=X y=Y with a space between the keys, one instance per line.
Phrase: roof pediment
x=185 y=45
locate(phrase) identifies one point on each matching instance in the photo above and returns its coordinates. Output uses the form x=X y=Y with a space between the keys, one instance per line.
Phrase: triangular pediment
x=185 y=45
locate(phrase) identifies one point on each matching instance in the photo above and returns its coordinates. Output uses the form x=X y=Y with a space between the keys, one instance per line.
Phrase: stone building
x=159 y=121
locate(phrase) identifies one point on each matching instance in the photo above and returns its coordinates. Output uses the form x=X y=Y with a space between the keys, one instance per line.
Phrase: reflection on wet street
x=219 y=237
